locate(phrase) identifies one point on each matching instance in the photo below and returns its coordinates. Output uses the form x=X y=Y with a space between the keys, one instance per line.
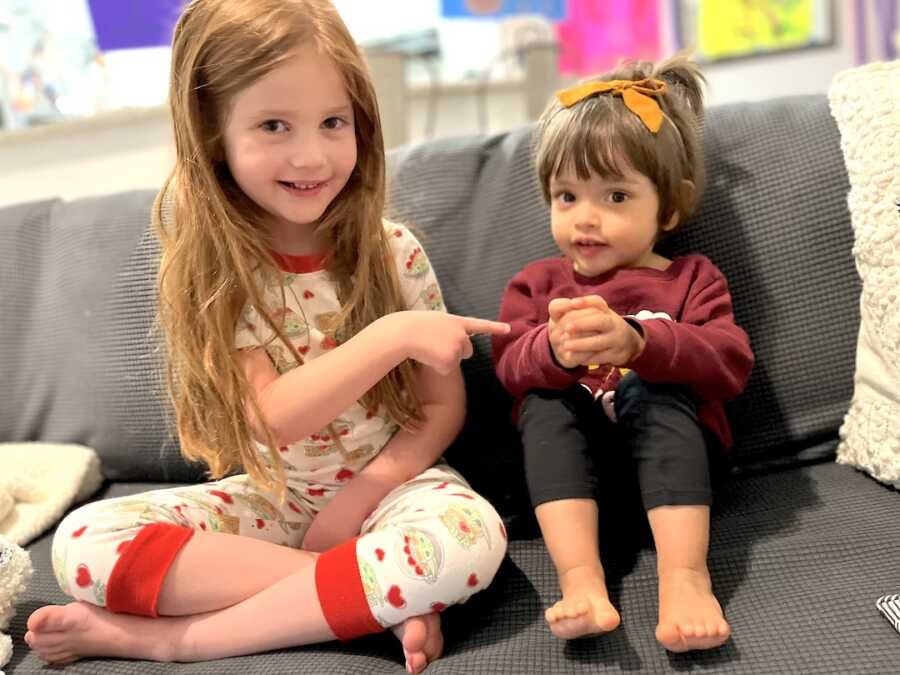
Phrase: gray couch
x=801 y=546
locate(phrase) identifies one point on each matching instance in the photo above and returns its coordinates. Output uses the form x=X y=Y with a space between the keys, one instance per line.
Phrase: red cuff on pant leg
x=137 y=577
x=341 y=593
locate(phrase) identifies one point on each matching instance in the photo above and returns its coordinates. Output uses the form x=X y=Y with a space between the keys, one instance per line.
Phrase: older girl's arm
x=405 y=456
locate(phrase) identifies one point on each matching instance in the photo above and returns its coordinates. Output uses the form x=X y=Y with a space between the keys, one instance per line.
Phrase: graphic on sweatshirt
x=419 y=555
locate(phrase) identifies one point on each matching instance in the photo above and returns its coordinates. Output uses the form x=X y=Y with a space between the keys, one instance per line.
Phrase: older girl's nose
x=307 y=153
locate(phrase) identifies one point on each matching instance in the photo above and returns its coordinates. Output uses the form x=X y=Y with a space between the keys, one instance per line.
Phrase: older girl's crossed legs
x=291 y=597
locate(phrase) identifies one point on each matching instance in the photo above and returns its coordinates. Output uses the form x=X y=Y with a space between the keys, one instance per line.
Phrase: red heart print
x=83 y=576
x=260 y=524
x=203 y=526
x=473 y=579
x=80 y=531
x=293 y=507
x=395 y=597
x=398 y=233
x=308 y=294
x=343 y=474
x=224 y=496
x=316 y=492
x=120 y=549
x=379 y=553
x=329 y=342
x=441 y=486
x=283 y=448
x=304 y=349
x=438 y=606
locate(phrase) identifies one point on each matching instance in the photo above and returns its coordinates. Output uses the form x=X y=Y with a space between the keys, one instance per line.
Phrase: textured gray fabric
x=798 y=559
x=77 y=297
x=774 y=219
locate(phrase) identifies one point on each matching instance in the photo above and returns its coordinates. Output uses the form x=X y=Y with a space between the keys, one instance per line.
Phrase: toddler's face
x=602 y=224
x=290 y=145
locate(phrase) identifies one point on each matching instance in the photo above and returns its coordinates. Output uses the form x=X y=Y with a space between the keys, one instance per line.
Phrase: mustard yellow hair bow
x=638 y=95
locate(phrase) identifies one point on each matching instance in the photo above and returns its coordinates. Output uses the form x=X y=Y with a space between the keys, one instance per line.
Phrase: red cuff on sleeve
x=137 y=577
x=341 y=593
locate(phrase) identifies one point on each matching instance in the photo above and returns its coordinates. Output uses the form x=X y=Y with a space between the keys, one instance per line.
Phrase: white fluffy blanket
x=39 y=482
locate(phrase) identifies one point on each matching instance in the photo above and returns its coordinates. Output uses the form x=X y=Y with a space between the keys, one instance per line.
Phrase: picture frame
x=728 y=30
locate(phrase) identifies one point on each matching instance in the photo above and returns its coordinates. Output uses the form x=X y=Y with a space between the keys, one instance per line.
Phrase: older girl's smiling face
x=291 y=146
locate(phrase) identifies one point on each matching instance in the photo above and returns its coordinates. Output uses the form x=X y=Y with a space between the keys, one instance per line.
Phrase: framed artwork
x=50 y=66
x=719 y=30
x=471 y=9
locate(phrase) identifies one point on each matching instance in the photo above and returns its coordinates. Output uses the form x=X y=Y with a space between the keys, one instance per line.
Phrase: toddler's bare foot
x=422 y=640
x=585 y=608
x=66 y=633
x=690 y=617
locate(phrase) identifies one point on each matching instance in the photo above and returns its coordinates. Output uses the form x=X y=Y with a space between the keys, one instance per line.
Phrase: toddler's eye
x=618 y=197
x=566 y=197
x=273 y=126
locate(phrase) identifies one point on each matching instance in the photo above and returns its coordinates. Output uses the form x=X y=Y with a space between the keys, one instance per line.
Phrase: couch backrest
x=79 y=361
x=78 y=357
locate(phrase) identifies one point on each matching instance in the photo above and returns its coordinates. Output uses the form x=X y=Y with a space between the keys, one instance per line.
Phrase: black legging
x=563 y=432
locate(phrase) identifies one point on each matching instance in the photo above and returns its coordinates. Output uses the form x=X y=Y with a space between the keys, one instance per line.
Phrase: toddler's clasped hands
x=585 y=331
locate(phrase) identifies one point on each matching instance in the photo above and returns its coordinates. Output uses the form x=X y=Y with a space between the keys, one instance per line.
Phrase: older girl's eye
x=273 y=126
x=334 y=123
x=618 y=197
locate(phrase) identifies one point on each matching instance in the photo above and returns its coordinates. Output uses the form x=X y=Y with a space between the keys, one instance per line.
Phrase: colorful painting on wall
x=595 y=36
x=493 y=9
x=50 y=66
x=728 y=29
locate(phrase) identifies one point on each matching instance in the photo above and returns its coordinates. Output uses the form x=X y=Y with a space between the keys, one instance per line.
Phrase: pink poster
x=595 y=35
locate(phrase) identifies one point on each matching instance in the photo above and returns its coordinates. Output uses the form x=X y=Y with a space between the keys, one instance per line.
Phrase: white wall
x=128 y=150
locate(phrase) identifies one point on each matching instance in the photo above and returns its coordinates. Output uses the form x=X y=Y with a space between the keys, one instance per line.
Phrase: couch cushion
x=773 y=218
x=798 y=559
x=76 y=344
x=864 y=103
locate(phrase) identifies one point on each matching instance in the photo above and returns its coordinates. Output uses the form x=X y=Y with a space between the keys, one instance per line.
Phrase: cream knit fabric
x=15 y=571
x=38 y=484
x=865 y=102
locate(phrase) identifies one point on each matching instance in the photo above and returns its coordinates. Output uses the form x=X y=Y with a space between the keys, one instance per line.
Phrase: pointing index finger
x=476 y=326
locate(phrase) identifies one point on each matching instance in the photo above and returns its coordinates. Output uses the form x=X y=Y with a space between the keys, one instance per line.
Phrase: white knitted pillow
x=865 y=102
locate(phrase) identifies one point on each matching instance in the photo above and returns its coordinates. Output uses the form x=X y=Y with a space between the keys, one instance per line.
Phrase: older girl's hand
x=439 y=340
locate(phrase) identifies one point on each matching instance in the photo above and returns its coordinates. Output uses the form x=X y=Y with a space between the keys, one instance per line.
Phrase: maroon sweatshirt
x=683 y=312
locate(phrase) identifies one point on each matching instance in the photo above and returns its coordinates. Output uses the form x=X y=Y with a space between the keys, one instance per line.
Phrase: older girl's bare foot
x=690 y=617
x=422 y=640
x=585 y=608
x=66 y=633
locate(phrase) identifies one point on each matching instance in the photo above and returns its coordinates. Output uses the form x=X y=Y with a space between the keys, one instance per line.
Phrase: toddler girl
x=616 y=349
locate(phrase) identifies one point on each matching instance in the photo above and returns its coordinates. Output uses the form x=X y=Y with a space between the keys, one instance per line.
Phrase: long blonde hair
x=592 y=134
x=214 y=250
